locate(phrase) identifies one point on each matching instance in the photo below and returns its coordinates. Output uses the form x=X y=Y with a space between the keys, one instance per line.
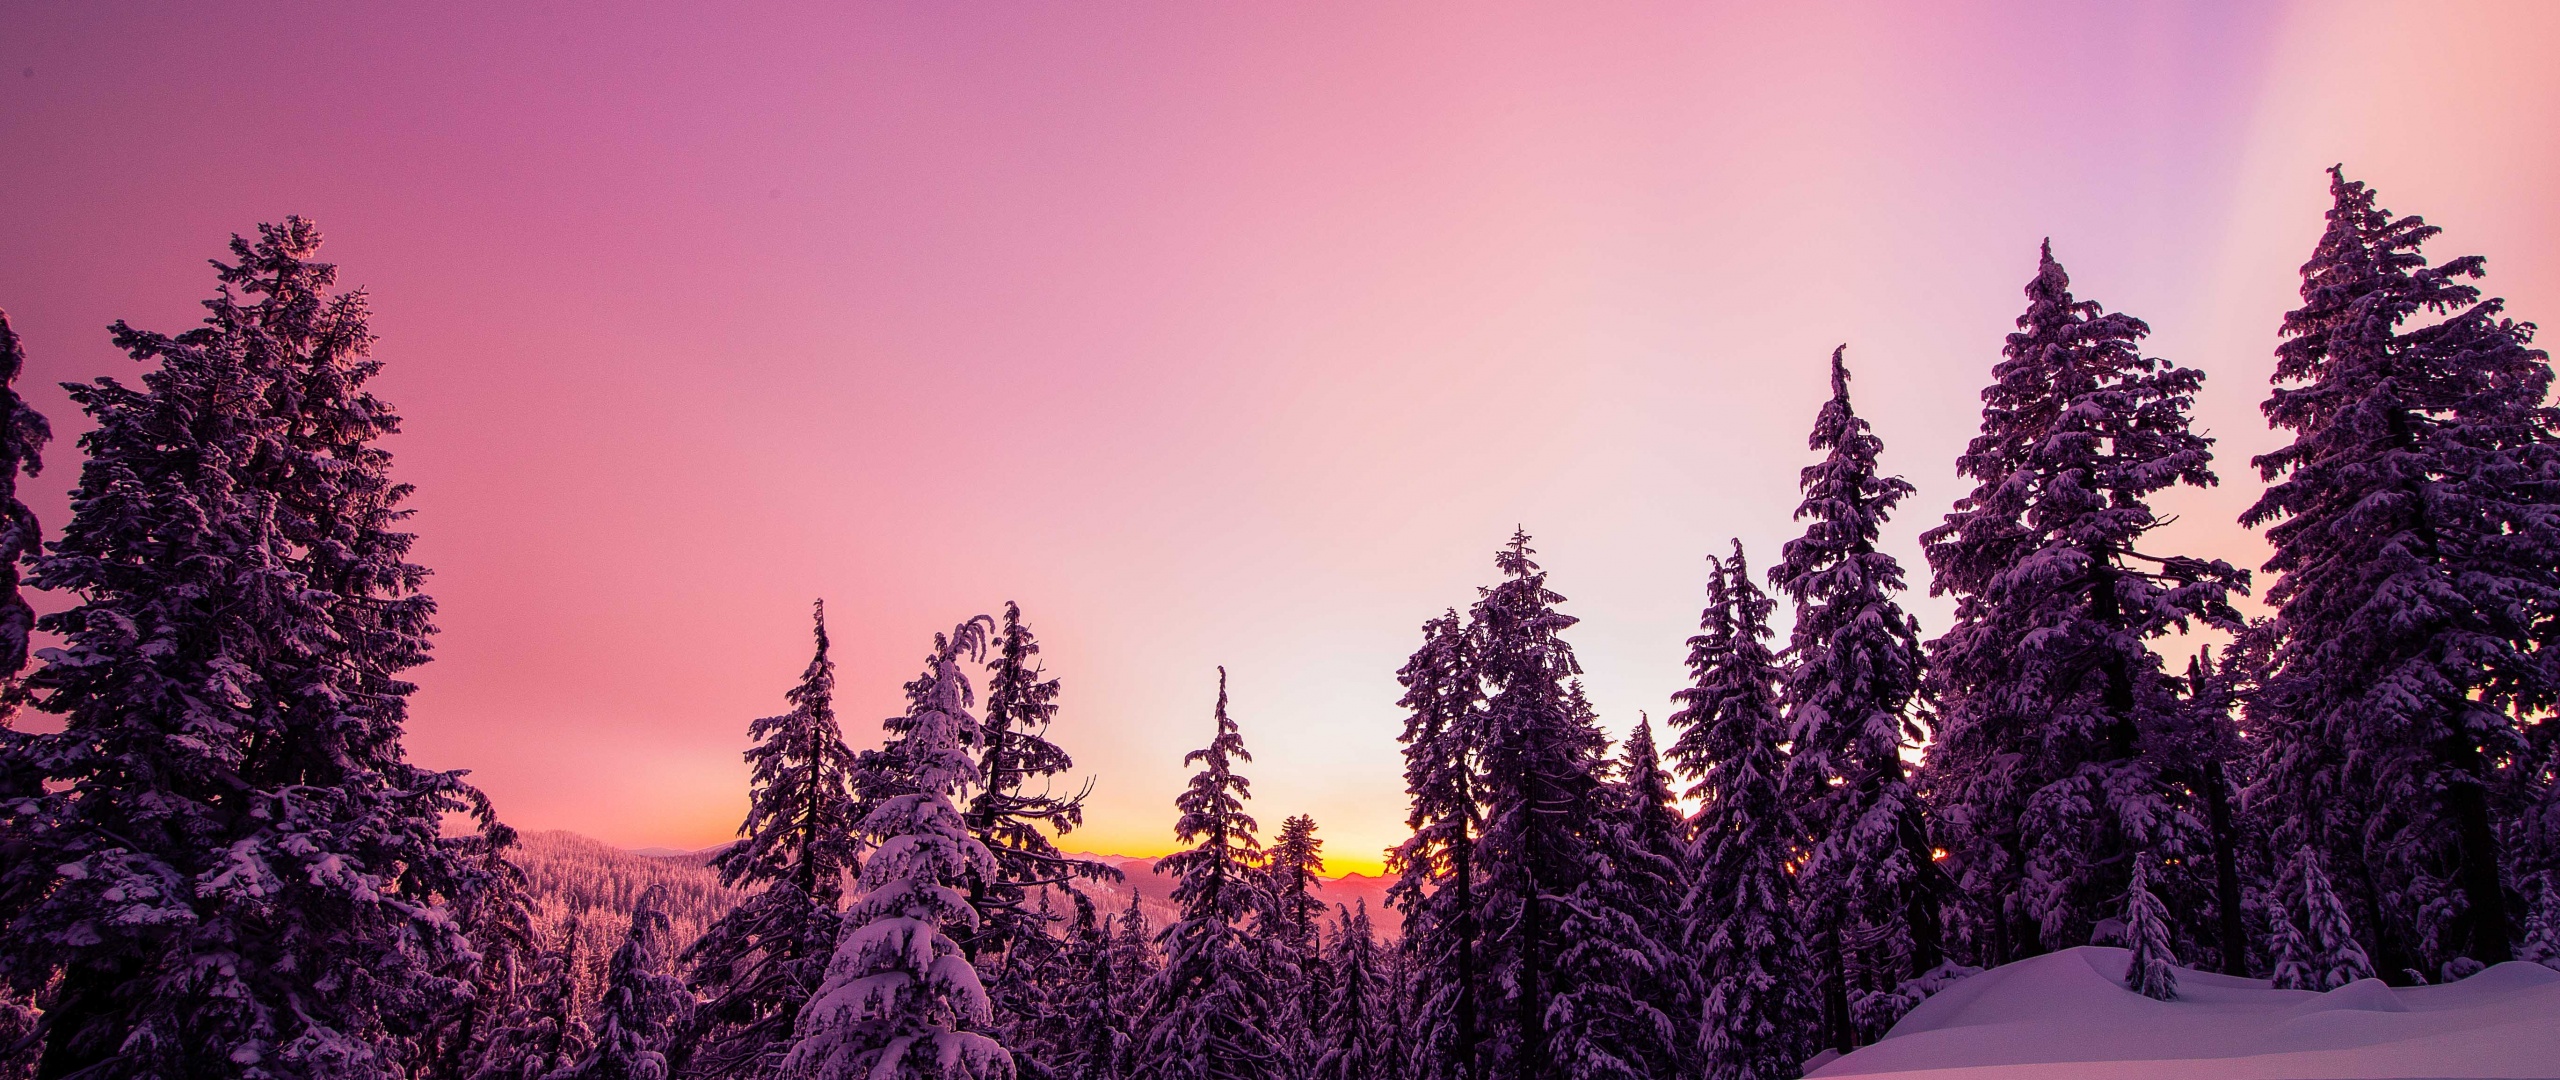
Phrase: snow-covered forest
x=217 y=860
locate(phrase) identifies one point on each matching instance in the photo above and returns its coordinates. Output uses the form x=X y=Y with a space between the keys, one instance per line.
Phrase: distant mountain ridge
x=1155 y=891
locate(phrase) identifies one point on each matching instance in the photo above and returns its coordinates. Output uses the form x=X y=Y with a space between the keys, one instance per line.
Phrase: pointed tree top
x=1229 y=741
x=2051 y=278
x=1840 y=375
x=1513 y=559
x=818 y=616
x=10 y=358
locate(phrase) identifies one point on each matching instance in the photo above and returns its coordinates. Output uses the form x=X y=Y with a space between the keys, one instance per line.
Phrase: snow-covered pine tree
x=1293 y=864
x=1354 y=1038
x=1435 y=869
x=1617 y=971
x=2536 y=838
x=1754 y=1014
x=1653 y=820
x=889 y=771
x=900 y=1001
x=1211 y=1011
x=1038 y=969
x=2219 y=769
x=23 y=433
x=2151 y=961
x=1395 y=1007
x=229 y=865
x=762 y=960
x=1853 y=668
x=643 y=1003
x=2315 y=942
x=18 y=1019
x=2415 y=519
x=544 y=1030
x=1082 y=1033
x=2541 y=942
x=496 y=913
x=1540 y=786
x=1135 y=960
x=1079 y=1027
x=2043 y=774
x=1014 y=819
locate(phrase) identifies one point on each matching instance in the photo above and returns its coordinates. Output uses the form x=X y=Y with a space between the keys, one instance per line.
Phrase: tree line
x=223 y=865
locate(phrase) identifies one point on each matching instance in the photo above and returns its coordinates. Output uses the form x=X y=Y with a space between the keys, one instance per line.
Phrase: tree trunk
x=2483 y=892
x=1920 y=909
x=1462 y=874
x=1835 y=993
x=2226 y=871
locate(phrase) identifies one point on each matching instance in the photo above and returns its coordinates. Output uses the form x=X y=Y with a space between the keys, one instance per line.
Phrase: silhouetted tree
x=2416 y=524
x=2046 y=774
x=761 y=962
x=224 y=856
x=1755 y=1011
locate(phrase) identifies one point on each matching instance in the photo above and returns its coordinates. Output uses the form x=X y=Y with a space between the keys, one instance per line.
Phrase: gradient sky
x=1211 y=333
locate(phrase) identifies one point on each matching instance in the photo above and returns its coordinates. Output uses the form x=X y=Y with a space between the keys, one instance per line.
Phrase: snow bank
x=2067 y=1014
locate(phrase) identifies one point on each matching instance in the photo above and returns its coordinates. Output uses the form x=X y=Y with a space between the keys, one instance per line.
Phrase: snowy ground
x=2068 y=1014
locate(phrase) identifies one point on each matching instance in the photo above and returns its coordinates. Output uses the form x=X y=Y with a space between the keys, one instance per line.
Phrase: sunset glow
x=1210 y=334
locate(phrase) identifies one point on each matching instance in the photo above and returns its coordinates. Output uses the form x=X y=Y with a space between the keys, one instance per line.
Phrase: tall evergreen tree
x=1211 y=1011
x=1754 y=1015
x=1653 y=810
x=226 y=861
x=1015 y=820
x=2218 y=763
x=23 y=433
x=1356 y=1039
x=1541 y=753
x=543 y=1032
x=496 y=913
x=2415 y=519
x=643 y=1003
x=1135 y=960
x=1435 y=870
x=763 y=959
x=900 y=1001
x=2045 y=774
x=1294 y=866
x=1854 y=666
x=891 y=770
x=1084 y=1035
x=1617 y=969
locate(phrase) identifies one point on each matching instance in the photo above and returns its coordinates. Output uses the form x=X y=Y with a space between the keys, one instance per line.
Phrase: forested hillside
x=568 y=876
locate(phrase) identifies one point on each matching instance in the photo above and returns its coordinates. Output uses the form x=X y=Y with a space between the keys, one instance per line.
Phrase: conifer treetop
x=900 y=999
x=1214 y=874
x=23 y=434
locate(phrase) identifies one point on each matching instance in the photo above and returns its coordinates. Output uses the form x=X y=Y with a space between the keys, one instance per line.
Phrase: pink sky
x=1233 y=333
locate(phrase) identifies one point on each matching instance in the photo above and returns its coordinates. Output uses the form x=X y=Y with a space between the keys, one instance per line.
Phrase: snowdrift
x=2068 y=1015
